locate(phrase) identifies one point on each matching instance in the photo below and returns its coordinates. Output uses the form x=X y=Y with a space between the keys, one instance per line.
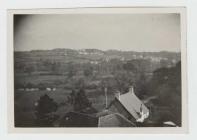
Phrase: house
x=130 y=106
x=114 y=120
x=126 y=110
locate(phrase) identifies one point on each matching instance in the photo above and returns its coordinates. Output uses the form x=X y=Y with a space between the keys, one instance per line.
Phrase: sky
x=125 y=32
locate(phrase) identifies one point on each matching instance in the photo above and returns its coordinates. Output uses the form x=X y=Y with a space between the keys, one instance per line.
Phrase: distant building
x=122 y=59
x=130 y=106
x=94 y=62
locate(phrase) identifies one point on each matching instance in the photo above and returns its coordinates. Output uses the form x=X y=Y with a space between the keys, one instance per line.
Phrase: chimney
x=117 y=94
x=131 y=90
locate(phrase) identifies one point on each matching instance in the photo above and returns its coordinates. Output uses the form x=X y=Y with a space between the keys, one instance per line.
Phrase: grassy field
x=25 y=103
x=36 y=79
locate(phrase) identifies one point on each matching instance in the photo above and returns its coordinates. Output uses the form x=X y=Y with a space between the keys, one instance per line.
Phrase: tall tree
x=88 y=71
x=44 y=107
x=166 y=85
x=81 y=101
x=141 y=86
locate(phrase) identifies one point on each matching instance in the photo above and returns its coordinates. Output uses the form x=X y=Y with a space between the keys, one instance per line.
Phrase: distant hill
x=97 y=54
x=46 y=59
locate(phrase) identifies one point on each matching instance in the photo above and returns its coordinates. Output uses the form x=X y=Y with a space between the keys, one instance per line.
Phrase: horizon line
x=95 y=49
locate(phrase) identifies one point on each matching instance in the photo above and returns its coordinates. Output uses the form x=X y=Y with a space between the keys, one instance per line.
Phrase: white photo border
x=111 y=10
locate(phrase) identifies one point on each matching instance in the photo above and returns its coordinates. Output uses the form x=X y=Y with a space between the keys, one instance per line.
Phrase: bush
x=91 y=86
x=42 y=86
x=29 y=85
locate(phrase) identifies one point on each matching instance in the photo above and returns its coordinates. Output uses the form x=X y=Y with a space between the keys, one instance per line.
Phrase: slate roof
x=114 y=120
x=132 y=104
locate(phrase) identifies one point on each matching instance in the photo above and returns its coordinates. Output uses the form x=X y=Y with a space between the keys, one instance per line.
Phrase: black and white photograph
x=98 y=69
